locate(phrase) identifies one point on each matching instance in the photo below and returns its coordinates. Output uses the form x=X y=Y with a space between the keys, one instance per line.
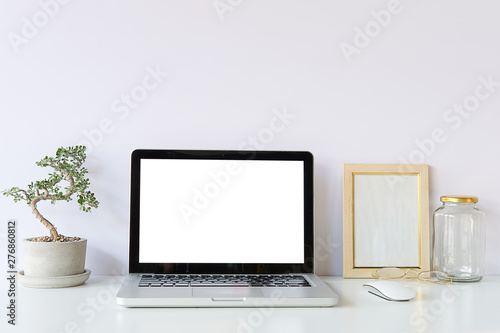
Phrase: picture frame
x=385 y=218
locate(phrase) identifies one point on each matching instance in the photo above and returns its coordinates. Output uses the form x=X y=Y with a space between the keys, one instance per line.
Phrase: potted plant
x=56 y=260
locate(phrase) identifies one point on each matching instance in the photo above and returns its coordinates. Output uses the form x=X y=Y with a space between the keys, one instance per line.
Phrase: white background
x=229 y=78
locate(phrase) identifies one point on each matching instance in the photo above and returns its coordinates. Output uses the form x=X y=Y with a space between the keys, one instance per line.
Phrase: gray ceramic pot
x=54 y=258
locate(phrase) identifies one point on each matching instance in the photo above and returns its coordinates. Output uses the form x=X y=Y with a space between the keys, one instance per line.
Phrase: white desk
x=91 y=308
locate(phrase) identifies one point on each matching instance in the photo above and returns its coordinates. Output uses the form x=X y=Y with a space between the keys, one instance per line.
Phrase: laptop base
x=318 y=295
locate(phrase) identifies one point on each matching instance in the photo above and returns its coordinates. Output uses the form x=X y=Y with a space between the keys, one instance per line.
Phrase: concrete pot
x=54 y=264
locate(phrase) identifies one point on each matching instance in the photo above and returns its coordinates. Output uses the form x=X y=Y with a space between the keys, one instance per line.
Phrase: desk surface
x=91 y=307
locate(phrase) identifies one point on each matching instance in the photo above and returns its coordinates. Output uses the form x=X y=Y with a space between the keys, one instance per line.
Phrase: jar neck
x=460 y=204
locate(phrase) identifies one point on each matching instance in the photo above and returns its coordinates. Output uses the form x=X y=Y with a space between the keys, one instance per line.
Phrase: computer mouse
x=390 y=290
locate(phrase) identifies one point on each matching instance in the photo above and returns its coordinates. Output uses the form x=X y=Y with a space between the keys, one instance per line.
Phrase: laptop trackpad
x=225 y=293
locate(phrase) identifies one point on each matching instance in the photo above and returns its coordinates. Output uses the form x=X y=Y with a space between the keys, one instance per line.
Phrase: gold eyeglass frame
x=416 y=275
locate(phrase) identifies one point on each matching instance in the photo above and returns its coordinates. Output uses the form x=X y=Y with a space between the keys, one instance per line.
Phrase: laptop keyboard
x=169 y=280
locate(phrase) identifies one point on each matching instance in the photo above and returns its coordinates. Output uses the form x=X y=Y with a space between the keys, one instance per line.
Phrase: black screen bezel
x=234 y=268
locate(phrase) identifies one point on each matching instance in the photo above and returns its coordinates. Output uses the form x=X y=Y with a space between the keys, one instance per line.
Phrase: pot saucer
x=53 y=282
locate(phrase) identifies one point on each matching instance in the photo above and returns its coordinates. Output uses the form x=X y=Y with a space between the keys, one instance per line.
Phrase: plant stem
x=71 y=182
x=45 y=222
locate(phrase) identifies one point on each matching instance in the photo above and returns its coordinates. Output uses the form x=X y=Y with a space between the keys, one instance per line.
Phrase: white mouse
x=390 y=290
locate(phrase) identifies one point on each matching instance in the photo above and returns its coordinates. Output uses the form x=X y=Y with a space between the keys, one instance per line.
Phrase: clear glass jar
x=459 y=238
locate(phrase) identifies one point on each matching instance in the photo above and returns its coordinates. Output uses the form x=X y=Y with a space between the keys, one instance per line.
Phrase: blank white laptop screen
x=220 y=211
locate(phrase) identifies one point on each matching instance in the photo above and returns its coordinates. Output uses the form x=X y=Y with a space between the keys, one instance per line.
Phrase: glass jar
x=459 y=238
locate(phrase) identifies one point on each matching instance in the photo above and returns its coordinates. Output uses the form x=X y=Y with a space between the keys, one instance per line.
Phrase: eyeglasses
x=390 y=273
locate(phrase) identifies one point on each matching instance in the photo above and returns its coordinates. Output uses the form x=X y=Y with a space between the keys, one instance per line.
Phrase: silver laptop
x=222 y=229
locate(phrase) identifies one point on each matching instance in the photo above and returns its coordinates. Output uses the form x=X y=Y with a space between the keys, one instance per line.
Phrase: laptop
x=211 y=228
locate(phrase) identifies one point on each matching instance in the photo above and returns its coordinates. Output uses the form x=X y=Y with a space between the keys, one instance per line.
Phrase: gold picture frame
x=385 y=218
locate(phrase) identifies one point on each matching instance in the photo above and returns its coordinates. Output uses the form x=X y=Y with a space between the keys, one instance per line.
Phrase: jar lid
x=458 y=198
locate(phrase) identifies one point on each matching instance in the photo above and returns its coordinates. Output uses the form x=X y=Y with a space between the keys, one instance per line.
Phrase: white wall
x=219 y=77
